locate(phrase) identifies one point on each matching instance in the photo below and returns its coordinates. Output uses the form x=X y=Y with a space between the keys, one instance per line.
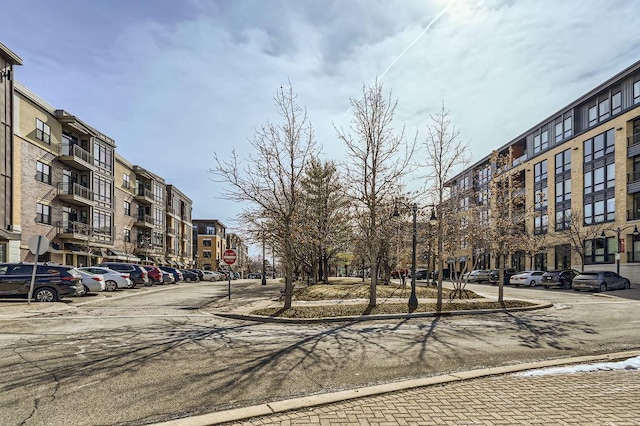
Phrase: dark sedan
x=559 y=278
x=190 y=276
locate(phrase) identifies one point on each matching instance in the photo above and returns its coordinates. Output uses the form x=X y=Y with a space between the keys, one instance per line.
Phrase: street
x=162 y=353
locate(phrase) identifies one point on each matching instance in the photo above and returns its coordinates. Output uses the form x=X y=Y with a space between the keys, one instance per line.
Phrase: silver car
x=113 y=279
x=600 y=281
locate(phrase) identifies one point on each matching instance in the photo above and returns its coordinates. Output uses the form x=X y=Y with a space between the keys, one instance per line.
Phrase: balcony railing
x=146 y=218
x=65 y=188
x=75 y=150
x=144 y=192
x=633 y=139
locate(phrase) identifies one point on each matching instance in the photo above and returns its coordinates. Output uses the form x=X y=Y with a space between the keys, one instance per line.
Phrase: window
x=127 y=236
x=563 y=219
x=43 y=214
x=636 y=92
x=206 y=243
x=567 y=127
x=600 y=250
x=158 y=192
x=102 y=222
x=102 y=156
x=43 y=131
x=541 y=224
x=563 y=162
x=127 y=208
x=206 y=253
x=541 y=142
x=593 y=115
x=102 y=189
x=126 y=181
x=616 y=103
x=43 y=172
x=603 y=110
x=159 y=216
x=599 y=211
x=563 y=190
x=599 y=146
x=540 y=171
x=210 y=230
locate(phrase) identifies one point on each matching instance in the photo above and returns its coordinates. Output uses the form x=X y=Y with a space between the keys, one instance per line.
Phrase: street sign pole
x=229 y=257
x=38 y=244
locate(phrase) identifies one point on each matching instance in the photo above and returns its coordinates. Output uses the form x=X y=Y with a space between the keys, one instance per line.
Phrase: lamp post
x=413 y=299
x=264 y=267
x=618 y=231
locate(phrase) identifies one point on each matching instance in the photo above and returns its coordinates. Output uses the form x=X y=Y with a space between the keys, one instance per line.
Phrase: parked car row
x=565 y=279
x=53 y=282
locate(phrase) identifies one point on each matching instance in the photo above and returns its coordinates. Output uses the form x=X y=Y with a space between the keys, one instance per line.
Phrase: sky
x=175 y=82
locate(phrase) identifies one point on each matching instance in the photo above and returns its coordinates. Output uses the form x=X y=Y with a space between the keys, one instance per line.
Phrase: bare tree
x=270 y=182
x=378 y=160
x=446 y=154
x=575 y=233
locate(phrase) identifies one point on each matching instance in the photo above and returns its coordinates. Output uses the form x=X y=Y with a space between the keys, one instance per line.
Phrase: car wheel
x=110 y=285
x=188 y=279
x=532 y=283
x=148 y=284
x=602 y=288
x=45 y=295
x=86 y=290
x=545 y=286
x=627 y=285
x=566 y=285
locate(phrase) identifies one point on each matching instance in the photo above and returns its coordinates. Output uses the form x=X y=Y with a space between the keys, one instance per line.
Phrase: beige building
x=10 y=229
x=209 y=242
x=179 y=230
x=585 y=159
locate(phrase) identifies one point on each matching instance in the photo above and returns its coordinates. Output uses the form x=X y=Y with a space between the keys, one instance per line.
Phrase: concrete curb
x=260 y=318
x=269 y=408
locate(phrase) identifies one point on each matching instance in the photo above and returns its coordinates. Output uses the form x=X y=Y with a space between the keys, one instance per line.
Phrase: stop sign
x=229 y=257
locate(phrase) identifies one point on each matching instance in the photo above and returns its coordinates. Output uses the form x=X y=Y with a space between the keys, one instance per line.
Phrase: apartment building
x=179 y=230
x=10 y=230
x=209 y=242
x=583 y=162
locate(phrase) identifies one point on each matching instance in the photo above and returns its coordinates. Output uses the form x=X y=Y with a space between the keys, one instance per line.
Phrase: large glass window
x=102 y=156
x=43 y=214
x=563 y=190
x=603 y=110
x=43 y=172
x=127 y=208
x=599 y=211
x=102 y=222
x=600 y=250
x=43 y=131
x=593 y=115
x=102 y=189
x=616 y=103
x=540 y=171
x=126 y=181
x=599 y=146
x=563 y=161
x=563 y=219
x=636 y=92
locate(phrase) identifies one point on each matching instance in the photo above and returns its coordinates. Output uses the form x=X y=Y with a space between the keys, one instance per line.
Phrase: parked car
x=421 y=274
x=92 y=283
x=137 y=273
x=199 y=272
x=477 y=275
x=113 y=279
x=52 y=282
x=529 y=278
x=176 y=273
x=600 y=281
x=397 y=272
x=254 y=275
x=155 y=274
x=494 y=275
x=189 y=276
x=559 y=278
x=167 y=277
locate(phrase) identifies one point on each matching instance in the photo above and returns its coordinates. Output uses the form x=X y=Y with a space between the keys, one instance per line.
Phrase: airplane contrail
x=415 y=40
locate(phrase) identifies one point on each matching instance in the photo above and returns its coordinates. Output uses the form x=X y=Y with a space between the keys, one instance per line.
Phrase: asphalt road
x=163 y=354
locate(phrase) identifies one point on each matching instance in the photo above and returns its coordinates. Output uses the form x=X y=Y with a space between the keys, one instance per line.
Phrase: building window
x=593 y=115
x=102 y=190
x=102 y=156
x=599 y=211
x=206 y=243
x=43 y=131
x=599 y=146
x=541 y=142
x=563 y=191
x=159 y=216
x=127 y=236
x=600 y=178
x=541 y=223
x=636 y=92
x=210 y=230
x=563 y=219
x=43 y=214
x=158 y=192
x=600 y=250
x=127 y=208
x=126 y=181
x=206 y=253
x=603 y=110
x=102 y=222
x=43 y=172
x=563 y=128
x=563 y=162
x=540 y=171
x=616 y=103
x=540 y=262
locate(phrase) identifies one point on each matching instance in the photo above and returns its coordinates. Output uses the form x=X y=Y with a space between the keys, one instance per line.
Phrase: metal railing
x=75 y=189
x=146 y=218
x=144 y=192
x=633 y=139
x=76 y=151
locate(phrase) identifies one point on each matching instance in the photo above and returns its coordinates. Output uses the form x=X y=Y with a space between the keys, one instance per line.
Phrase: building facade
x=581 y=163
x=179 y=230
x=209 y=242
x=10 y=229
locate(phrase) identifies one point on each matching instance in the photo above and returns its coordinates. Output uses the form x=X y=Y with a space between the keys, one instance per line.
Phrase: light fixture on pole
x=264 y=266
x=618 y=231
x=413 y=299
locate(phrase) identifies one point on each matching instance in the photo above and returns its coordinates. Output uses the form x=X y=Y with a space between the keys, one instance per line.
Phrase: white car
x=92 y=282
x=530 y=278
x=112 y=279
x=209 y=276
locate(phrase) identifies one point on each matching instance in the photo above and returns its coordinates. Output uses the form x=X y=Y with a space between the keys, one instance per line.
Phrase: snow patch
x=629 y=364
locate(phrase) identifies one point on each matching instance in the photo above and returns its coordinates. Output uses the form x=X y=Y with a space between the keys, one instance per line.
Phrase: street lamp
x=618 y=231
x=413 y=299
x=264 y=267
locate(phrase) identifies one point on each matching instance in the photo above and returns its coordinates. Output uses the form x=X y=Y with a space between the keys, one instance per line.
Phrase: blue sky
x=174 y=82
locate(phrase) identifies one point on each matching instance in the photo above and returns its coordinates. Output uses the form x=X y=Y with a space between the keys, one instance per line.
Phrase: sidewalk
x=494 y=396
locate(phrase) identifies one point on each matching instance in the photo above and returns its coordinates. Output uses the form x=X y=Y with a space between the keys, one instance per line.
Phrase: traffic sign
x=230 y=257
x=38 y=244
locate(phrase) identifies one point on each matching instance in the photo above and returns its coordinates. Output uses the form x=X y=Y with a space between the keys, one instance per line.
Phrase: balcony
x=633 y=145
x=171 y=231
x=144 y=196
x=76 y=157
x=75 y=194
x=633 y=183
x=72 y=230
x=145 y=221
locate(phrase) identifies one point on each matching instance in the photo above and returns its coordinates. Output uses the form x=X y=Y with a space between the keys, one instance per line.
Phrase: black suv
x=52 y=282
x=559 y=278
x=137 y=273
x=494 y=275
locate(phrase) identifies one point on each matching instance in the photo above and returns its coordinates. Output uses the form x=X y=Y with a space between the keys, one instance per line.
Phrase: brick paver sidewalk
x=593 y=398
